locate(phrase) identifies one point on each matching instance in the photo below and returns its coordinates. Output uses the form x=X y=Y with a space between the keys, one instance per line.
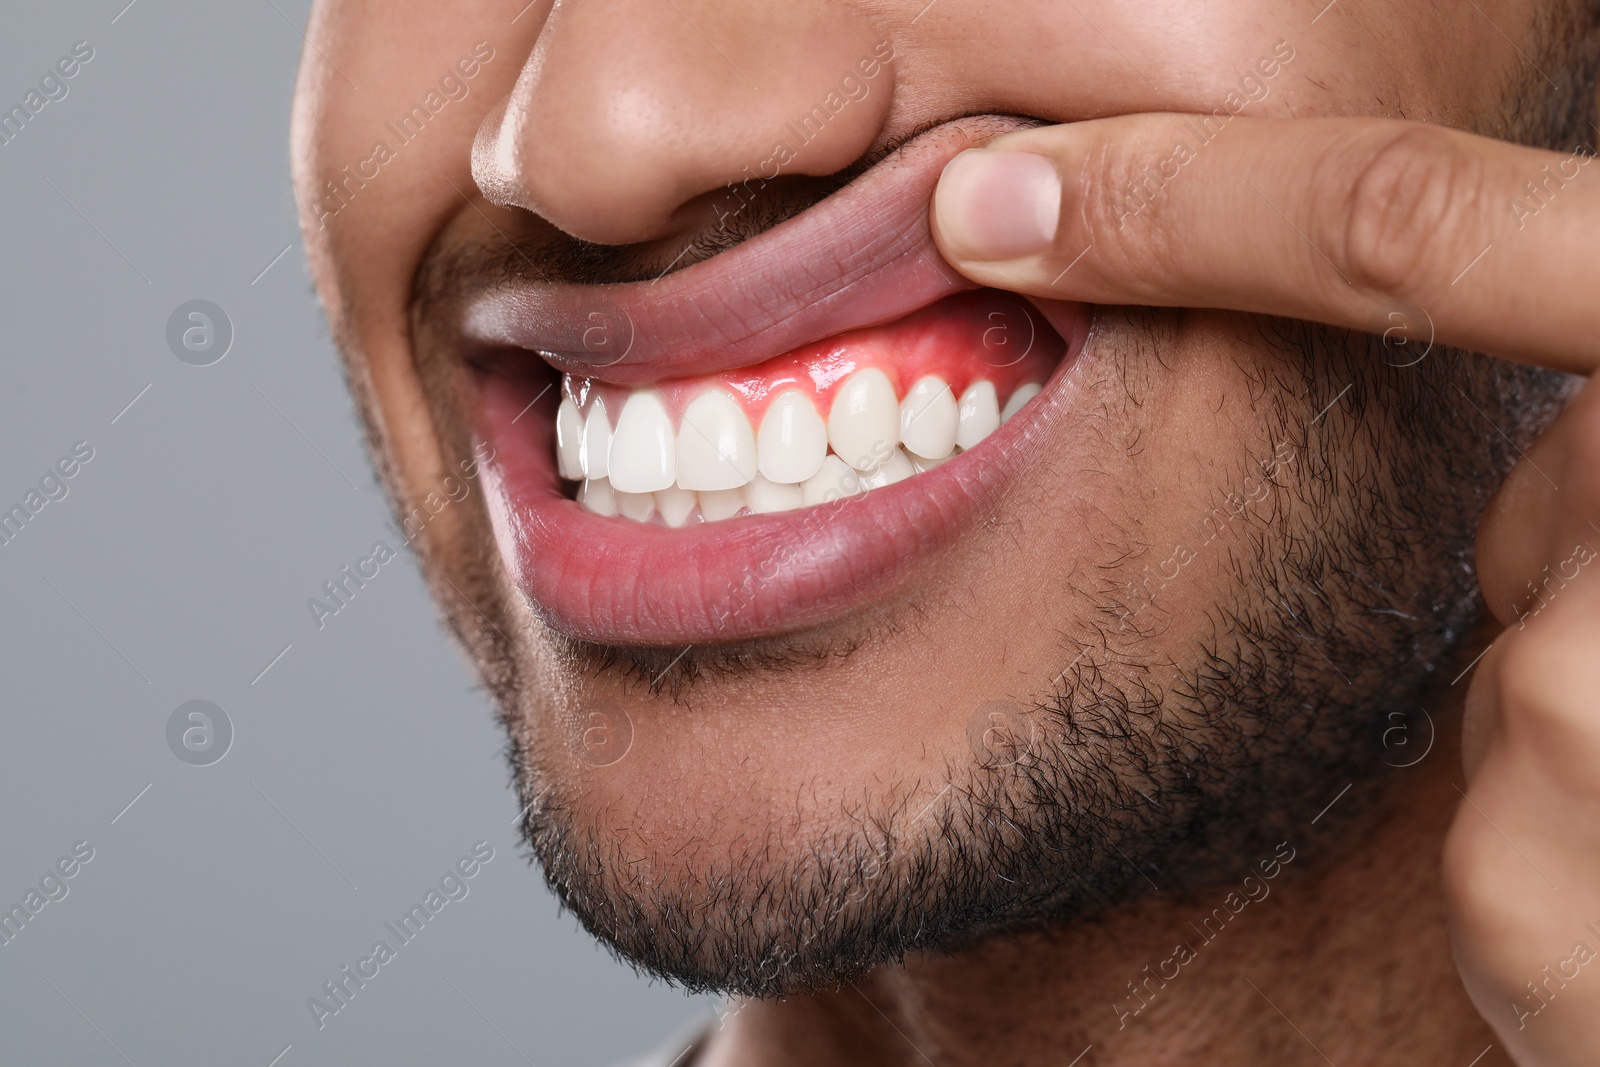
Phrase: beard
x=1145 y=768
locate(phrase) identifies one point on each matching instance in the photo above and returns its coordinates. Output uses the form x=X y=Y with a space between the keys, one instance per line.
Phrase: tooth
x=1023 y=394
x=898 y=469
x=980 y=414
x=864 y=425
x=920 y=464
x=716 y=447
x=636 y=506
x=596 y=495
x=643 y=453
x=716 y=504
x=928 y=419
x=765 y=496
x=569 y=440
x=595 y=446
x=675 y=504
x=836 y=479
x=793 y=438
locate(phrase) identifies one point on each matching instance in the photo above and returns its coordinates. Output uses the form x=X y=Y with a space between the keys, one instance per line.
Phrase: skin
x=738 y=757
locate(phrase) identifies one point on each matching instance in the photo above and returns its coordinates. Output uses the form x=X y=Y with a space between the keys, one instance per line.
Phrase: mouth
x=770 y=439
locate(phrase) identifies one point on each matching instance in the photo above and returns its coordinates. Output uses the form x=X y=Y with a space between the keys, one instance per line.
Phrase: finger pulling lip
x=863 y=256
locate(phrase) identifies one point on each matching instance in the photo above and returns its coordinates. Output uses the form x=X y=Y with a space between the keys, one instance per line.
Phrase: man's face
x=1126 y=637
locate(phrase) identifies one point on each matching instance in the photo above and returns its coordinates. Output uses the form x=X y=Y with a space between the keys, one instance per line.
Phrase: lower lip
x=613 y=581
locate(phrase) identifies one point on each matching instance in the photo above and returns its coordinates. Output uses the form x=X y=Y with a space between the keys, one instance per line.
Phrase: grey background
x=364 y=761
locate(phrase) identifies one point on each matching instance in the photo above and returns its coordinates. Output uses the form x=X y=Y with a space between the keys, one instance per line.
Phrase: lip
x=862 y=257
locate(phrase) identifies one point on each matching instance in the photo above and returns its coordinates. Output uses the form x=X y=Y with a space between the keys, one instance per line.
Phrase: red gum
x=962 y=339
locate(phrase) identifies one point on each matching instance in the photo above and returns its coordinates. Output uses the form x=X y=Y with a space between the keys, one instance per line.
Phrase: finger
x=1339 y=221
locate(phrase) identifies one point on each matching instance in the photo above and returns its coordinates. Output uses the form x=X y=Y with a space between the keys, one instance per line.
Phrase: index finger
x=1340 y=221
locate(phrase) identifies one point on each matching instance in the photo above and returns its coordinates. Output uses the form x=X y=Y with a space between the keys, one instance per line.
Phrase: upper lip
x=861 y=257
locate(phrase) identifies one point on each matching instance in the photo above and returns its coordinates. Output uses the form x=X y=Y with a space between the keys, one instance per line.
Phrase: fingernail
x=993 y=205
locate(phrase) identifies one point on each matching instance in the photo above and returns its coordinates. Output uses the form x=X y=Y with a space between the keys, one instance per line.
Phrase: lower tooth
x=835 y=480
x=596 y=495
x=765 y=497
x=675 y=504
x=897 y=469
x=717 y=504
x=636 y=506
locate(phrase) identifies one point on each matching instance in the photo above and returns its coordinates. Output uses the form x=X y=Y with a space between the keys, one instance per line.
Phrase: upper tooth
x=835 y=480
x=864 y=425
x=569 y=440
x=596 y=443
x=928 y=419
x=716 y=447
x=792 y=440
x=1023 y=394
x=980 y=414
x=596 y=495
x=675 y=504
x=643 y=453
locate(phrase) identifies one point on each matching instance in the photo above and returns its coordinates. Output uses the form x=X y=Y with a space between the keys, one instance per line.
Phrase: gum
x=977 y=336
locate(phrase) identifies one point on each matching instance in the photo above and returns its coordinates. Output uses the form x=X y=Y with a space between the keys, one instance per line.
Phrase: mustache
x=532 y=251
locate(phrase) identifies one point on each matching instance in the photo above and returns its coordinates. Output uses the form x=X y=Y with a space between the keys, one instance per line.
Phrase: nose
x=632 y=116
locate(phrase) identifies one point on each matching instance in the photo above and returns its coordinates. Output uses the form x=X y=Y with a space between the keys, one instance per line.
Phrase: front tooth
x=980 y=414
x=864 y=425
x=596 y=495
x=569 y=440
x=836 y=479
x=595 y=446
x=793 y=439
x=1023 y=394
x=675 y=504
x=636 y=506
x=644 y=456
x=765 y=496
x=898 y=469
x=928 y=419
x=716 y=447
x=716 y=504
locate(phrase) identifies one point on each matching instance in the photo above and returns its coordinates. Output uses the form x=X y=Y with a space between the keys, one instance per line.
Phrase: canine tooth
x=836 y=479
x=928 y=418
x=644 y=456
x=793 y=439
x=718 y=504
x=569 y=440
x=980 y=414
x=864 y=425
x=595 y=446
x=675 y=504
x=596 y=495
x=1023 y=394
x=716 y=447
x=765 y=496
x=898 y=469
x=636 y=506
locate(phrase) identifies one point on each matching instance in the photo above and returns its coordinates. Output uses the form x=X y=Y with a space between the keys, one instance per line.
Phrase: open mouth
x=769 y=439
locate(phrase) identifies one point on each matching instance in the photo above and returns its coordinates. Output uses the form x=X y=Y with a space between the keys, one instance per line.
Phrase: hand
x=1334 y=220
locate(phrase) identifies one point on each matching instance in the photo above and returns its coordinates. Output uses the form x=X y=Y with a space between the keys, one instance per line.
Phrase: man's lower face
x=1121 y=642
